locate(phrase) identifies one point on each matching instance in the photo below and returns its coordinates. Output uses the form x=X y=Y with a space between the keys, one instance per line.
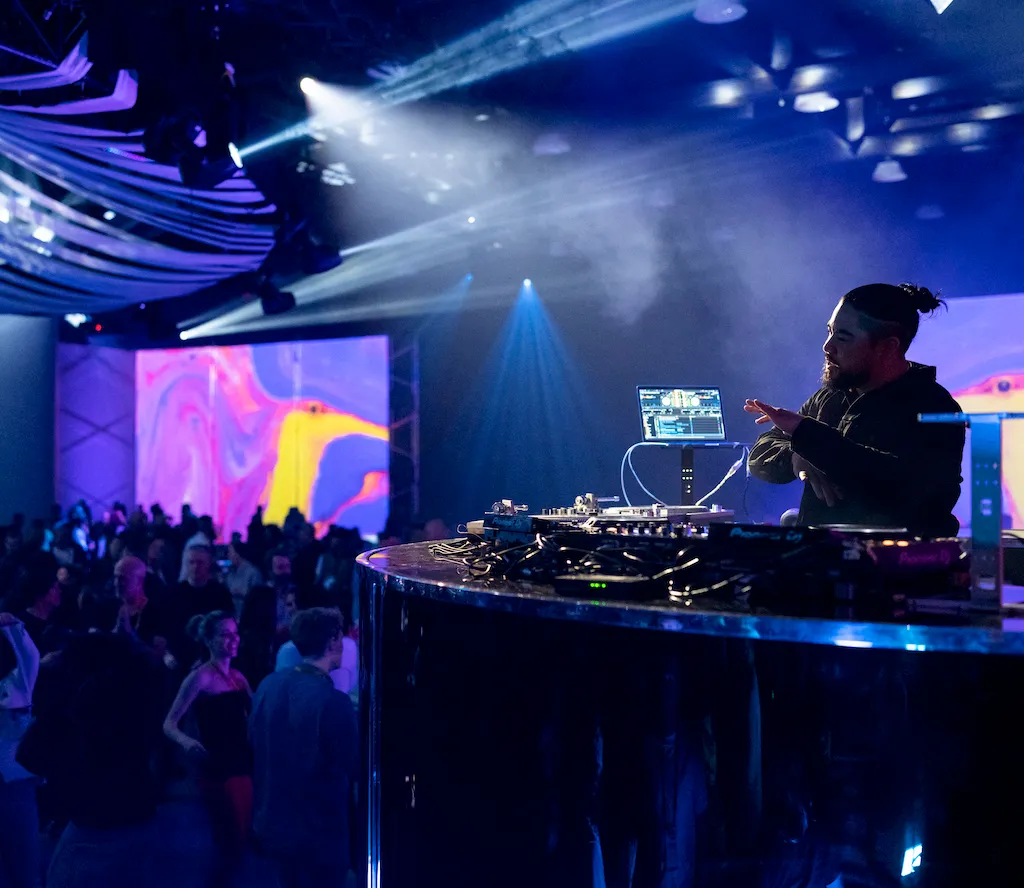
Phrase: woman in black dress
x=220 y=699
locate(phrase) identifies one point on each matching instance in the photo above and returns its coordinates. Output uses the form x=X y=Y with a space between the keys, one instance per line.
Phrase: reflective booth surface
x=516 y=738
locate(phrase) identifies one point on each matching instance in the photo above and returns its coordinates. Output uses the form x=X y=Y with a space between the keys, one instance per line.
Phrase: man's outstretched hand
x=784 y=420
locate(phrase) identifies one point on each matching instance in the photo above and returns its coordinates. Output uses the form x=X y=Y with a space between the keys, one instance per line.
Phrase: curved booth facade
x=519 y=738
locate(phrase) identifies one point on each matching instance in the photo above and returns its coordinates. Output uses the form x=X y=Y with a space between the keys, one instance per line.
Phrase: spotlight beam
x=371 y=308
x=532 y=32
x=434 y=244
x=530 y=357
x=366 y=270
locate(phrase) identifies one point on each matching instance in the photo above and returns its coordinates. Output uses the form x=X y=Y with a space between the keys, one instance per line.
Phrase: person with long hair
x=220 y=698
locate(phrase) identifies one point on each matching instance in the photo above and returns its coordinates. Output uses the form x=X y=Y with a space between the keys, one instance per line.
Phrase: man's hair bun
x=922 y=298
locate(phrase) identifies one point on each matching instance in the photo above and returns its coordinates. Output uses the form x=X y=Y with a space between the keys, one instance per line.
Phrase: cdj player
x=511 y=523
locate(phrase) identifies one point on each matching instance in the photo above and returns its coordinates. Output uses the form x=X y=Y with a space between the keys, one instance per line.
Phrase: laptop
x=681 y=414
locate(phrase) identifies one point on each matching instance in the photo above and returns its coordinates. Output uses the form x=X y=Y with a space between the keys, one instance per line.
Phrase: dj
x=856 y=443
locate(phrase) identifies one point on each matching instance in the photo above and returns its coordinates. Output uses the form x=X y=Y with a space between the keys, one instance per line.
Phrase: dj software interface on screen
x=682 y=414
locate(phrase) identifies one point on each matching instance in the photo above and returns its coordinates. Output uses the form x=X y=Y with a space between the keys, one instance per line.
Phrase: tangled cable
x=547 y=556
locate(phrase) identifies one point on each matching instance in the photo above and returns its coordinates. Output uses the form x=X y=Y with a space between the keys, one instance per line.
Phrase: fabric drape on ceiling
x=61 y=176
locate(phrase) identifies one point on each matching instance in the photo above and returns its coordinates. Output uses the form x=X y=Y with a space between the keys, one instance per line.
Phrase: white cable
x=636 y=478
x=627 y=458
x=733 y=469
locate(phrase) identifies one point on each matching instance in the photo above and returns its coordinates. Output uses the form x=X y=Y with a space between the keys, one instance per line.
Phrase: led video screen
x=302 y=424
x=979 y=352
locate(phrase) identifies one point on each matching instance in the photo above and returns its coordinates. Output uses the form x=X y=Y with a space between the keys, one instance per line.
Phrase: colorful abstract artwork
x=301 y=424
x=979 y=352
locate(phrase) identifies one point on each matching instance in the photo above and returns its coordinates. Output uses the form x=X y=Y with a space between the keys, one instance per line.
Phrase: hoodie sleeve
x=17 y=686
x=771 y=458
x=925 y=453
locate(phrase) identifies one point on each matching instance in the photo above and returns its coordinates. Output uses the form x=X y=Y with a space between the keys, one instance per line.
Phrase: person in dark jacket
x=857 y=443
x=199 y=593
x=304 y=739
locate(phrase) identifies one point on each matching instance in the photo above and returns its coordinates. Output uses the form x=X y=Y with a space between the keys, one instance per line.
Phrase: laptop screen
x=681 y=415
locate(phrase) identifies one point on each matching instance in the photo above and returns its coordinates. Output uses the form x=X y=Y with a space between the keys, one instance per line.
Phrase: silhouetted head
x=38 y=587
x=156 y=552
x=130 y=582
x=198 y=565
x=319 y=634
x=207 y=529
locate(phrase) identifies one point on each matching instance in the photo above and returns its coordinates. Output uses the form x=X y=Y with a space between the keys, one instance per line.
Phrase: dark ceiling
x=652 y=85
x=272 y=44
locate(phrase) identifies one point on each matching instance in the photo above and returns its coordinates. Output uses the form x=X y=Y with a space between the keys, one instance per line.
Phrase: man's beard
x=834 y=378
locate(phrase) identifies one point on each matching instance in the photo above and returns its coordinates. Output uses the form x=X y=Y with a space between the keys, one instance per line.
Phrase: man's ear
x=890 y=345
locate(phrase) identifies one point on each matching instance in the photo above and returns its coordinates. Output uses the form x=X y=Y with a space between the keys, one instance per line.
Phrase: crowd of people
x=138 y=651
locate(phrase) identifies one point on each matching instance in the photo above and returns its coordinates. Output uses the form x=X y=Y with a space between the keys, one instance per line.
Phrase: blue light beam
x=530 y=33
x=531 y=395
x=249 y=316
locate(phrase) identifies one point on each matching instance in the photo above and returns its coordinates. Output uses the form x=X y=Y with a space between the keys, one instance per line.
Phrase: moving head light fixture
x=272 y=300
x=202 y=143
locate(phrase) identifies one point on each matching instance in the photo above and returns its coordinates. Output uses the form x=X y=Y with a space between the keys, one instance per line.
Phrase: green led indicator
x=598 y=585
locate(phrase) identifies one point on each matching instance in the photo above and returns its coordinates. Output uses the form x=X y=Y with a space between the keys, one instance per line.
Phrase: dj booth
x=659 y=697
x=520 y=737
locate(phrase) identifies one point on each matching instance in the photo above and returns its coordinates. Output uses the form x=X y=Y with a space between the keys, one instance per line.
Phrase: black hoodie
x=891 y=470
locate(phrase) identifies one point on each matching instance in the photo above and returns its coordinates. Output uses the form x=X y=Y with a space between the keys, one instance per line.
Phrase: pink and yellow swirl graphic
x=285 y=425
x=1003 y=393
x=979 y=354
